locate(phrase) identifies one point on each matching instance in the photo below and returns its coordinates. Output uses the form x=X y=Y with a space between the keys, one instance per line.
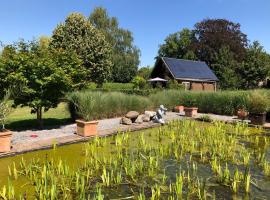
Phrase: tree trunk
x=39 y=117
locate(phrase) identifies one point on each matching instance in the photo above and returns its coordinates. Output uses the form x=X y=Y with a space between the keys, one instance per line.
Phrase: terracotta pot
x=5 y=141
x=179 y=109
x=257 y=118
x=242 y=114
x=191 y=111
x=86 y=129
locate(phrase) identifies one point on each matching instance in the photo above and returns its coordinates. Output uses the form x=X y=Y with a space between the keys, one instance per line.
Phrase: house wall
x=209 y=86
x=200 y=86
x=196 y=86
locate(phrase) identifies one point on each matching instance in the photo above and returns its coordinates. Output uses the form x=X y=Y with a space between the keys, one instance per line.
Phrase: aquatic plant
x=161 y=163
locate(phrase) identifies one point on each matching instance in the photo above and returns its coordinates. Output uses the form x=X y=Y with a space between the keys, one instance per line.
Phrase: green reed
x=161 y=163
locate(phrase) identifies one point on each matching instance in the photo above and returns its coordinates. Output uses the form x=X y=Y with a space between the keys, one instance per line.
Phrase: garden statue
x=159 y=115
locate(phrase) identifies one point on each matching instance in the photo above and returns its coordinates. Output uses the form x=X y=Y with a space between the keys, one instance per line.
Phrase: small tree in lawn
x=5 y=109
x=44 y=82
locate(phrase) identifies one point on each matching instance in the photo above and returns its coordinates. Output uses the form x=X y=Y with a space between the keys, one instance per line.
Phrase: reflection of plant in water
x=143 y=166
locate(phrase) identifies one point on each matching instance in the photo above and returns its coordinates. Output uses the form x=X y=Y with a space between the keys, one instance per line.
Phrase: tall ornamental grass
x=168 y=98
x=98 y=105
x=223 y=103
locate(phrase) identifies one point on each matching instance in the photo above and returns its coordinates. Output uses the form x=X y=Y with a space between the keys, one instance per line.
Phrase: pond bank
x=32 y=140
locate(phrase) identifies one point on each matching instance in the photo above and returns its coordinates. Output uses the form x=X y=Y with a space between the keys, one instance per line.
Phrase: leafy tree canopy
x=33 y=67
x=178 y=45
x=213 y=34
x=77 y=35
x=255 y=67
x=145 y=72
x=224 y=66
x=125 y=55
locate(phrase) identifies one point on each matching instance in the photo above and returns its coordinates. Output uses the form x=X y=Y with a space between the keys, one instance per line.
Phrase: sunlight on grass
x=21 y=117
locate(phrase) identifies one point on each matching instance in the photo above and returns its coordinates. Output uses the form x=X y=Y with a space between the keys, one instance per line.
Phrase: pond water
x=184 y=159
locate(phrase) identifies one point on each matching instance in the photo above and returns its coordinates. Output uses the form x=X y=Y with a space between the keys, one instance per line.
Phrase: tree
x=125 y=55
x=255 y=67
x=213 y=34
x=178 y=45
x=145 y=72
x=77 y=35
x=33 y=67
x=73 y=67
x=225 y=67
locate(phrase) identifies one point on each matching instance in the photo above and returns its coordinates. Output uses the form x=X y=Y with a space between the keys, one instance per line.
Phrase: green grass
x=21 y=118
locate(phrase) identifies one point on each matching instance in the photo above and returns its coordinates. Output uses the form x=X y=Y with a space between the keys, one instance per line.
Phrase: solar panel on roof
x=186 y=69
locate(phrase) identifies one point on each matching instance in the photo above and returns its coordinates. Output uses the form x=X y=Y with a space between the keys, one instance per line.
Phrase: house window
x=187 y=85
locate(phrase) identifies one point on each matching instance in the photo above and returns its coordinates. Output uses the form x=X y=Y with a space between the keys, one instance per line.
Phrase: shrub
x=173 y=84
x=98 y=105
x=118 y=86
x=258 y=102
x=91 y=86
x=5 y=109
x=139 y=82
x=189 y=99
x=145 y=92
x=205 y=118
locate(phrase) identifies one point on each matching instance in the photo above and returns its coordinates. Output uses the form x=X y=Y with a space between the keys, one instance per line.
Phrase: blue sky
x=149 y=20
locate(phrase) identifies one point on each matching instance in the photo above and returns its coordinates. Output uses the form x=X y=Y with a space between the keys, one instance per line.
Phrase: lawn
x=21 y=118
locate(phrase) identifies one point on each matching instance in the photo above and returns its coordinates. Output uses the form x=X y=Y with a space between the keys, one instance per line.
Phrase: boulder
x=146 y=118
x=132 y=115
x=139 y=119
x=126 y=121
x=150 y=113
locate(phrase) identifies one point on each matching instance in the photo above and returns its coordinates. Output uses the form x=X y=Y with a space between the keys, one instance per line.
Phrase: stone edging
x=73 y=139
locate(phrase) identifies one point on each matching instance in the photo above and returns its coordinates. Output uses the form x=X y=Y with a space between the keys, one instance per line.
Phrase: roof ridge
x=184 y=59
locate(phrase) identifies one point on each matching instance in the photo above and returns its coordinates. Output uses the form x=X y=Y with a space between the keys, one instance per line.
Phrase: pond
x=182 y=160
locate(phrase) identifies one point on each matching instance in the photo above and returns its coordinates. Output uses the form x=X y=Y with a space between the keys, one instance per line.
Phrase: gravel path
x=62 y=131
x=31 y=136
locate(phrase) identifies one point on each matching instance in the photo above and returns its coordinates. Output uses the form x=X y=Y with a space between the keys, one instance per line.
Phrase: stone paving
x=30 y=140
x=62 y=131
x=24 y=141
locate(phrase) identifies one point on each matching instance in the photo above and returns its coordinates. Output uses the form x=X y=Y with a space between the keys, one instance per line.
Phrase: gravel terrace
x=68 y=130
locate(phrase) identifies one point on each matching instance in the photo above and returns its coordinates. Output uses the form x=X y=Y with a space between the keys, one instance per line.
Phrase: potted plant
x=179 y=109
x=240 y=105
x=242 y=113
x=190 y=109
x=84 y=106
x=5 y=135
x=257 y=107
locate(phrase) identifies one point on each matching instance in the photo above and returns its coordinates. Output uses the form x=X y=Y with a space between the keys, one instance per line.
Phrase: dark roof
x=188 y=69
